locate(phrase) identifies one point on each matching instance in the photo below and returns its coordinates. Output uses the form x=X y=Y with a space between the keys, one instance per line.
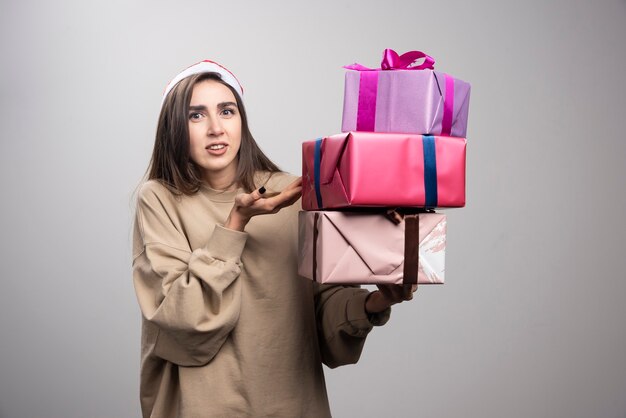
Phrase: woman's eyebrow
x=226 y=104
x=220 y=106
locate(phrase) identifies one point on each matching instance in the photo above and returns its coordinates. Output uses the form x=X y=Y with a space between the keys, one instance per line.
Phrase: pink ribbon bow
x=393 y=61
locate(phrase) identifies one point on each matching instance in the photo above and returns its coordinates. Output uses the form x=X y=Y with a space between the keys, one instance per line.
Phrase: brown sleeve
x=192 y=297
x=343 y=323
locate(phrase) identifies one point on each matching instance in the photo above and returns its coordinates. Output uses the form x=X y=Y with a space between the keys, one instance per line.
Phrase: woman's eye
x=195 y=116
x=228 y=112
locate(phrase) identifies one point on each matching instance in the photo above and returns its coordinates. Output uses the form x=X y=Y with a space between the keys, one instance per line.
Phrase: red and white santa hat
x=206 y=66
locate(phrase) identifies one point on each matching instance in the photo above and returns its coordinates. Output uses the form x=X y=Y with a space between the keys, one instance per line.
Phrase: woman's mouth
x=217 y=149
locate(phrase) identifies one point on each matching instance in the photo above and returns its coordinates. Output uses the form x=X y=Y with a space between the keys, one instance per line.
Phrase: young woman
x=229 y=328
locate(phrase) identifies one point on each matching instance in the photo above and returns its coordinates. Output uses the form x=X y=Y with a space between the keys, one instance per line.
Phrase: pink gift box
x=364 y=248
x=420 y=101
x=383 y=170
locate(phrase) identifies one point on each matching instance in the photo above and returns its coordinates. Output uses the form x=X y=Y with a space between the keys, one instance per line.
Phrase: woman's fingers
x=387 y=291
x=287 y=197
x=294 y=184
x=269 y=202
x=397 y=293
x=248 y=199
x=261 y=202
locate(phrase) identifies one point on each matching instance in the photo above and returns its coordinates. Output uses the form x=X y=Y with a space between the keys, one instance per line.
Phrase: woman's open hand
x=256 y=203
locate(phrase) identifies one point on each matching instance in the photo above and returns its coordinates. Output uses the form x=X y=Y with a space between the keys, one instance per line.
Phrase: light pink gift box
x=361 y=169
x=364 y=248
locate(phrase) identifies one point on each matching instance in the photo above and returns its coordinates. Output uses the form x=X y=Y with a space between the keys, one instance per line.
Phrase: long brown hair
x=171 y=163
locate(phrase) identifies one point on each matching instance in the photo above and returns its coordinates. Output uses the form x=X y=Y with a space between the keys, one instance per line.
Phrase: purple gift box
x=405 y=98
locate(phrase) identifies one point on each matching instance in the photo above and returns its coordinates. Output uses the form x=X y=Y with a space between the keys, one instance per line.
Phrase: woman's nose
x=215 y=127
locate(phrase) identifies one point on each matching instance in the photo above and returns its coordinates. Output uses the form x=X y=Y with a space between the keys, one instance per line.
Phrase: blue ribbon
x=316 y=171
x=430 y=171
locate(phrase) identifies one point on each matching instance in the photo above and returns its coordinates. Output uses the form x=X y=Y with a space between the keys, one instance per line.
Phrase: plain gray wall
x=531 y=321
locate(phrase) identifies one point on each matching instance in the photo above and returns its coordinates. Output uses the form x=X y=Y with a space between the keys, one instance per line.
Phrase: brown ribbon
x=411 y=248
x=411 y=241
x=315 y=234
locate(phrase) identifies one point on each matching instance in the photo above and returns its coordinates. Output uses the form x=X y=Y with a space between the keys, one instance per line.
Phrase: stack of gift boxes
x=369 y=194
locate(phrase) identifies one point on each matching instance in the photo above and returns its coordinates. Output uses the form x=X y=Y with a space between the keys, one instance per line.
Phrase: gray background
x=531 y=320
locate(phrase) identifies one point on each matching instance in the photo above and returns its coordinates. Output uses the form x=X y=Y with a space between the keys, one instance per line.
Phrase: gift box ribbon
x=368 y=87
x=316 y=171
x=430 y=171
x=411 y=248
x=392 y=61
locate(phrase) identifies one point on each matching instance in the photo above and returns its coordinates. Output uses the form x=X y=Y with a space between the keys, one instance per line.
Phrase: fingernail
x=262 y=189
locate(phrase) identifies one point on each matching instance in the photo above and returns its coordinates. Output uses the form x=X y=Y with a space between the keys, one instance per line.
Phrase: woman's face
x=214 y=132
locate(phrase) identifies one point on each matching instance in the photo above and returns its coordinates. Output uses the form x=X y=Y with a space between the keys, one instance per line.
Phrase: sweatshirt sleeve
x=343 y=323
x=192 y=298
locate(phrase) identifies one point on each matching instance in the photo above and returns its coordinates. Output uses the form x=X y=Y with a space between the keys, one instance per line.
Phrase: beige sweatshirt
x=229 y=328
